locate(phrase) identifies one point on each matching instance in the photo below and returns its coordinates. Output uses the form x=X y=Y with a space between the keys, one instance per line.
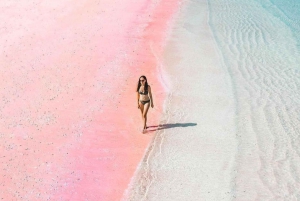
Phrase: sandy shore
x=193 y=155
x=225 y=87
x=70 y=126
x=230 y=128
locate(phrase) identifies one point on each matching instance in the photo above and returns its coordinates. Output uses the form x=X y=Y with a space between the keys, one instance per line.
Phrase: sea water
x=259 y=43
x=286 y=11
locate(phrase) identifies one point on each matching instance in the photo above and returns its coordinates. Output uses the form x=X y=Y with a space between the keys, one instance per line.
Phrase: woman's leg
x=141 y=108
x=146 y=108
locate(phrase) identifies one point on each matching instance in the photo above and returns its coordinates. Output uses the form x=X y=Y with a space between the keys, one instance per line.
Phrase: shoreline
x=191 y=149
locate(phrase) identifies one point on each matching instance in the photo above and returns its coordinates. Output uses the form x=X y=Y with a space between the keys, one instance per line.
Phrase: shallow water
x=287 y=12
x=259 y=45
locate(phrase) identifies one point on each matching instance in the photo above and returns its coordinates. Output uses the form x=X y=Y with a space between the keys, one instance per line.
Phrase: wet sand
x=230 y=127
x=193 y=152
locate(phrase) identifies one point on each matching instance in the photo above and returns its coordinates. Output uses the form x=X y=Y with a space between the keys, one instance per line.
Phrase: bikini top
x=143 y=92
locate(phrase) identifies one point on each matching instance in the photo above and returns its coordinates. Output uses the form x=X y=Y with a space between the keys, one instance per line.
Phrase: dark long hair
x=139 y=84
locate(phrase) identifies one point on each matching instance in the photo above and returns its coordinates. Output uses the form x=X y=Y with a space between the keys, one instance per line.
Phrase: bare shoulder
x=149 y=88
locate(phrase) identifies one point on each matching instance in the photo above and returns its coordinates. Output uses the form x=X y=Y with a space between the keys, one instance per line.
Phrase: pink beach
x=225 y=82
x=70 y=126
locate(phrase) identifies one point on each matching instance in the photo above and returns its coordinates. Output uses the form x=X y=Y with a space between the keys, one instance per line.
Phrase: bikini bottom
x=144 y=102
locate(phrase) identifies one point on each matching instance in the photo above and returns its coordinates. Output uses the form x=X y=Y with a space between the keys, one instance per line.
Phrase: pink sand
x=69 y=126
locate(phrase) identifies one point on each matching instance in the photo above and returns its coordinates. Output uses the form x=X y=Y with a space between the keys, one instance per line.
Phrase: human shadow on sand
x=167 y=126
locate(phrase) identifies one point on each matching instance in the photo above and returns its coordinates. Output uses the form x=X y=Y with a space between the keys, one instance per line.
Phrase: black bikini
x=144 y=93
x=144 y=102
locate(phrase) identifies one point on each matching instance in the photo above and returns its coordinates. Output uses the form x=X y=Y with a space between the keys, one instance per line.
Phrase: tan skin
x=144 y=108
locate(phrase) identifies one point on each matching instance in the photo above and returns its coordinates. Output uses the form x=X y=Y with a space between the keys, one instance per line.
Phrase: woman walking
x=144 y=96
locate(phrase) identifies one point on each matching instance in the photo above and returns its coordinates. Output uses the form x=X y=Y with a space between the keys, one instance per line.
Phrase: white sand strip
x=193 y=156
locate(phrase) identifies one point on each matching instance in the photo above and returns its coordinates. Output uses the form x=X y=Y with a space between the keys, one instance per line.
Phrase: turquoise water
x=258 y=42
x=286 y=11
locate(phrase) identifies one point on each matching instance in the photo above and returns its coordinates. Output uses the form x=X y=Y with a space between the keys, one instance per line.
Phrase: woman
x=144 y=97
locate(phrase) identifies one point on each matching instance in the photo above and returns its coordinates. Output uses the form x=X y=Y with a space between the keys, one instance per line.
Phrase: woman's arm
x=138 y=98
x=150 y=96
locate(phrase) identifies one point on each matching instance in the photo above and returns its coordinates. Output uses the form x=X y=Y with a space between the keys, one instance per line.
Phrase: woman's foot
x=144 y=129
